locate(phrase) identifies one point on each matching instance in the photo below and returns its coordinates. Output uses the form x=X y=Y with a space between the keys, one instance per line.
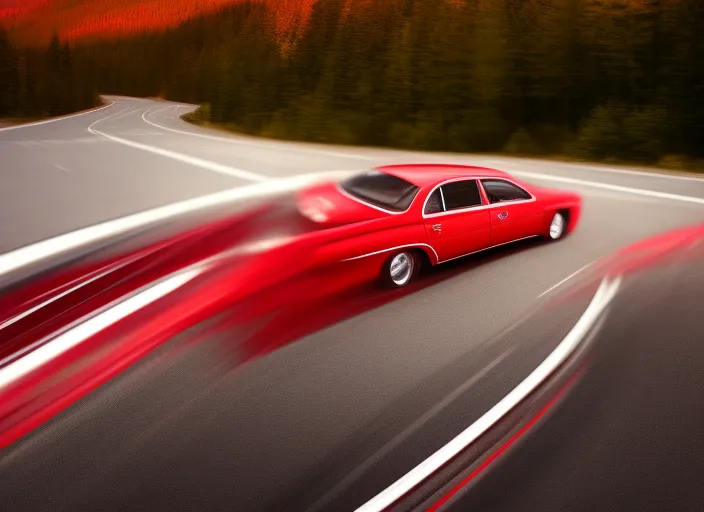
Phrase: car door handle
x=503 y=215
x=437 y=227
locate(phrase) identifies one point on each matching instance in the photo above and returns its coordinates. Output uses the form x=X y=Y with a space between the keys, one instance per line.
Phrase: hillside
x=610 y=80
x=33 y=22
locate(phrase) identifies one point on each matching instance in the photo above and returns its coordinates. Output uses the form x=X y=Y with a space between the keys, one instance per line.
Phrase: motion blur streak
x=82 y=332
x=29 y=254
x=68 y=291
x=606 y=291
x=563 y=281
x=542 y=412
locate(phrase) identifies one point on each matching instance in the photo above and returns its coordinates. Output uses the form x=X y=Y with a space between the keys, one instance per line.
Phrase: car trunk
x=326 y=205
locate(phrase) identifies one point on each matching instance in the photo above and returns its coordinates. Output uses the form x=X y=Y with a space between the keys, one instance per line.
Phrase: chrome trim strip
x=392 y=249
x=474 y=208
x=490 y=247
x=434 y=252
x=477 y=208
x=442 y=197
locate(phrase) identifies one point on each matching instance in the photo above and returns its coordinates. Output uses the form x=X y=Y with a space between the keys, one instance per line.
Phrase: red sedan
x=429 y=214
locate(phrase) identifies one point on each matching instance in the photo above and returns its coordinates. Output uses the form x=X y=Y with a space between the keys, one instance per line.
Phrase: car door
x=456 y=220
x=514 y=213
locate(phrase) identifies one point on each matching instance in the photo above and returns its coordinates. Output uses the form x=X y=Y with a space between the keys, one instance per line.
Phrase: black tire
x=400 y=278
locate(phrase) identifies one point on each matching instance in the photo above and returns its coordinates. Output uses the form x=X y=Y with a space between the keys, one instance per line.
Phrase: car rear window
x=381 y=189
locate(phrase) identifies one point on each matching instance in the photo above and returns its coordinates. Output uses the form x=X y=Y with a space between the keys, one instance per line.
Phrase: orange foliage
x=36 y=21
x=288 y=18
x=98 y=20
x=289 y=15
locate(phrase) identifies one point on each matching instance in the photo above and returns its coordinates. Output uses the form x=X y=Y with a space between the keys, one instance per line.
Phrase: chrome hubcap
x=557 y=226
x=401 y=268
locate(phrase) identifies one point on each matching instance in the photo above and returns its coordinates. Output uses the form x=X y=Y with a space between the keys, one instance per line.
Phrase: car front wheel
x=400 y=269
x=557 y=226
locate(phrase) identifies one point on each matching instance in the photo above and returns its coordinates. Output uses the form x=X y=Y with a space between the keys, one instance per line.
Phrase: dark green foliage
x=614 y=132
x=36 y=83
x=597 y=79
x=9 y=76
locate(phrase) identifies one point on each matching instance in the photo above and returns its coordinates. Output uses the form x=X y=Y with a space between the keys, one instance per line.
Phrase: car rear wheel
x=400 y=269
x=557 y=226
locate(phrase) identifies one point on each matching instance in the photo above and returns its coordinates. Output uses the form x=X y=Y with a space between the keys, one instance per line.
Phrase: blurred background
x=606 y=80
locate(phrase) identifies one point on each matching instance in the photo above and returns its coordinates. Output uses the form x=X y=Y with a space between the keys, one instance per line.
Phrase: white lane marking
x=152 y=112
x=608 y=186
x=62 y=118
x=557 y=285
x=90 y=126
x=49 y=141
x=142 y=132
x=612 y=170
x=602 y=298
x=198 y=162
x=29 y=254
x=270 y=145
x=62 y=168
x=408 y=431
x=128 y=113
x=73 y=141
x=653 y=174
x=73 y=337
x=364 y=157
x=620 y=196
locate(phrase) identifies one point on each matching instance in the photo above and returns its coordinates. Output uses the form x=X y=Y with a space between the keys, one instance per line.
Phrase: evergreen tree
x=604 y=79
x=9 y=76
x=54 y=88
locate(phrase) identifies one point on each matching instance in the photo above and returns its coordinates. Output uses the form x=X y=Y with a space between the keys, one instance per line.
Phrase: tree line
x=43 y=82
x=596 y=79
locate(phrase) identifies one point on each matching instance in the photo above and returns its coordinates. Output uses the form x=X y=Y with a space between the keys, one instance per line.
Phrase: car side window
x=461 y=194
x=434 y=204
x=498 y=191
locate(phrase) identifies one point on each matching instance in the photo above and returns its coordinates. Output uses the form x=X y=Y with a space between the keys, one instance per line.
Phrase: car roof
x=430 y=174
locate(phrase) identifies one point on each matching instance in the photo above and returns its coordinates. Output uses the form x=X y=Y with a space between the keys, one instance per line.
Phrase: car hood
x=326 y=204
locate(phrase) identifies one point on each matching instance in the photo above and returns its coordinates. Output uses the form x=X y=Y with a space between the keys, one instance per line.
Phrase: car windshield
x=381 y=189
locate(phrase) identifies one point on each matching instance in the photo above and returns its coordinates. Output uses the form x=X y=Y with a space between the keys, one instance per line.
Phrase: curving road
x=353 y=388
x=137 y=154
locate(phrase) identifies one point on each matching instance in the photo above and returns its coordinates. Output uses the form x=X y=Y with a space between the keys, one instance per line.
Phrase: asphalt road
x=352 y=387
x=623 y=438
